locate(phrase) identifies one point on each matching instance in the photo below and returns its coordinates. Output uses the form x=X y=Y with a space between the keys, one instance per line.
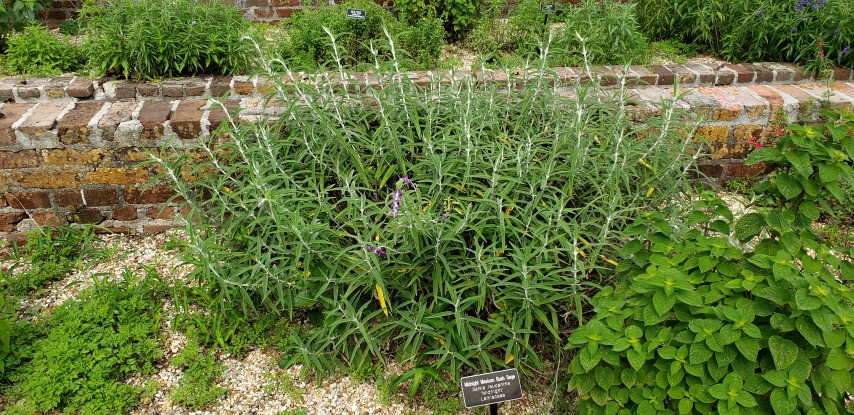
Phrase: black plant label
x=356 y=14
x=489 y=388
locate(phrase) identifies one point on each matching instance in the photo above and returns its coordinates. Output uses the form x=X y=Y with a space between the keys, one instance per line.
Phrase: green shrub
x=757 y=30
x=610 y=31
x=457 y=16
x=161 y=38
x=521 y=33
x=706 y=324
x=17 y=14
x=197 y=389
x=92 y=345
x=452 y=225
x=37 y=52
x=310 y=46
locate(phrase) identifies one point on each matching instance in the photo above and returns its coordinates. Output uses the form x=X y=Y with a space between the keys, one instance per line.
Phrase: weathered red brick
x=46 y=218
x=73 y=127
x=118 y=113
x=152 y=116
x=797 y=93
x=220 y=86
x=762 y=74
x=284 y=13
x=665 y=76
x=753 y=107
x=727 y=109
x=143 y=196
x=160 y=212
x=263 y=13
x=86 y=215
x=743 y=75
x=9 y=114
x=18 y=159
x=126 y=90
x=285 y=3
x=243 y=88
x=683 y=74
x=28 y=200
x=150 y=229
x=115 y=175
x=194 y=89
x=742 y=170
x=29 y=92
x=125 y=213
x=148 y=90
x=43 y=118
x=217 y=116
x=706 y=75
x=172 y=89
x=80 y=88
x=47 y=179
x=94 y=197
x=72 y=157
x=9 y=219
x=841 y=74
x=186 y=118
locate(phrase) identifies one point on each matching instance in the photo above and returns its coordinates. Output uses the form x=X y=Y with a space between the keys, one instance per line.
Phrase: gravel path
x=255 y=383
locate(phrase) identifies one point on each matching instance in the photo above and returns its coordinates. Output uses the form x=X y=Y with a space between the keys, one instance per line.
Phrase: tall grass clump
x=462 y=225
x=162 y=38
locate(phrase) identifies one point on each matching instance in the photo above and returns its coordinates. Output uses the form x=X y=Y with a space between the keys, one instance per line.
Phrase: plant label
x=489 y=388
x=356 y=14
x=549 y=7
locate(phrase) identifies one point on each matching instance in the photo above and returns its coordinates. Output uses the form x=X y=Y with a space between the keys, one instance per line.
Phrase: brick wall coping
x=68 y=160
x=689 y=75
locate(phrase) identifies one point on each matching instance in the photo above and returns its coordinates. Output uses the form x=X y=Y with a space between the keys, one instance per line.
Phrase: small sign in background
x=490 y=388
x=356 y=14
x=549 y=7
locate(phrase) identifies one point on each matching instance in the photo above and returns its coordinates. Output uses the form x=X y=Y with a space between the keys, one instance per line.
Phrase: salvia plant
x=153 y=39
x=459 y=224
x=717 y=315
x=756 y=30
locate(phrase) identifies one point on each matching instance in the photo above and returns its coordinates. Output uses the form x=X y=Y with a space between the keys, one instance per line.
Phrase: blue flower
x=836 y=33
x=760 y=13
x=801 y=5
x=844 y=51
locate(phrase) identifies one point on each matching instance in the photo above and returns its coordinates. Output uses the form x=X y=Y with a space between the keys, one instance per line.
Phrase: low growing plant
x=93 y=344
x=718 y=315
x=197 y=388
x=162 y=38
x=51 y=252
x=37 y=52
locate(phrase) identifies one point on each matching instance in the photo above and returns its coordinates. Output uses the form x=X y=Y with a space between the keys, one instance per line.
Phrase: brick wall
x=70 y=147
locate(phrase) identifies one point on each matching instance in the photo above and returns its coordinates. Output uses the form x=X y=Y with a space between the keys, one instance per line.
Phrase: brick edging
x=688 y=75
x=77 y=160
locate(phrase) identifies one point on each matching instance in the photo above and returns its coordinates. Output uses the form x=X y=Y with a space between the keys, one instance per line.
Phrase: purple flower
x=395 y=202
x=793 y=30
x=844 y=51
x=760 y=13
x=801 y=5
x=819 y=4
x=377 y=250
x=405 y=180
x=836 y=33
